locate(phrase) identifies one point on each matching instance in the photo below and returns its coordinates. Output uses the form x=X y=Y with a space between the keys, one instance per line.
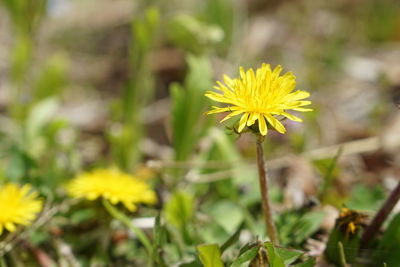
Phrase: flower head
x=112 y=185
x=18 y=205
x=259 y=96
x=350 y=221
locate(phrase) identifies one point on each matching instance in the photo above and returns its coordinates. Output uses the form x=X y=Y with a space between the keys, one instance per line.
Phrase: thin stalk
x=124 y=219
x=264 y=192
x=373 y=228
x=342 y=257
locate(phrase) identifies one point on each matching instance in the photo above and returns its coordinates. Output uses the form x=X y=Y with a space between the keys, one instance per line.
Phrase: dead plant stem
x=374 y=227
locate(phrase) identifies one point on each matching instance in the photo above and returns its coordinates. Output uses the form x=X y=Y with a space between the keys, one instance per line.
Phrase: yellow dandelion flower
x=259 y=96
x=114 y=186
x=350 y=221
x=18 y=205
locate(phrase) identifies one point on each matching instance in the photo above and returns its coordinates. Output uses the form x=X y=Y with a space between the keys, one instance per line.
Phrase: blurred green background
x=99 y=83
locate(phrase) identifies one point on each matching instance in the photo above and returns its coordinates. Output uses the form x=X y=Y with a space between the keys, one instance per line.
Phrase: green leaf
x=274 y=258
x=179 y=209
x=19 y=165
x=159 y=232
x=389 y=245
x=221 y=13
x=330 y=171
x=288 y=255
x=137 y=93
x=40 y=115
x=21 y=55
x=53 y=77
x=210 y=255
x=308 y=263
x=193 y=35
x=366 y=198
x=194 y=263
x=39 y=236
x=307 y=225
x=227 y=151
x=232 y=239
x=349 y=242
x=82 y=215
x=160 y=236
x=179 y=120
x=246 y=256
x=232 y=218
x=188 y=106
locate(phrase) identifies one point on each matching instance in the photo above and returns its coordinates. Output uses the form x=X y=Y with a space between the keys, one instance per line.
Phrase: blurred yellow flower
x=114 y=186
x=350 y=221
x=260 y=96
x=18 y=205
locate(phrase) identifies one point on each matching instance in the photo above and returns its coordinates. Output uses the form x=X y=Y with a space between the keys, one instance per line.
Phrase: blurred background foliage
x=99 y=83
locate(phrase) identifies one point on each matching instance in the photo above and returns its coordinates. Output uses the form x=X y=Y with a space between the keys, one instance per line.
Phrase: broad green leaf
x=225 y=146
x=179 y=209
x=82 y=215
x=213 y=233
x=40 y=114
x=350 y=245
x=38 y=236
x=365 y=198
x=246 y=256
x=199 y=78
x=288 y=255
x=232 y=218
x=308 y=263
x=19 y=165
x=308 y=224
x=389 y=246
x=210 y=255
x=274 y=258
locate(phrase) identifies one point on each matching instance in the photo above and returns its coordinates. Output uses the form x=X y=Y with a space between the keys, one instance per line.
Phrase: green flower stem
x=124 y=219
x=269 y=223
